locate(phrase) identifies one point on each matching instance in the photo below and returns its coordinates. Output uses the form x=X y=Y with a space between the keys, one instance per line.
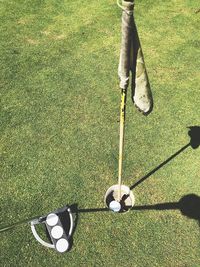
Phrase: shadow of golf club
x=77 y=210
x=188 y=205
x=194 y=134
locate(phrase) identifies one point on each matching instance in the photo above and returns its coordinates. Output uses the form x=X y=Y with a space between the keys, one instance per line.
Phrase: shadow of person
x=194 y=134
x=188 y=205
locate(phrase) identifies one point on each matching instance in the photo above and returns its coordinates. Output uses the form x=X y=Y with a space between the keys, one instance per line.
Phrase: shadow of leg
x=188 y=205
x=194 y=134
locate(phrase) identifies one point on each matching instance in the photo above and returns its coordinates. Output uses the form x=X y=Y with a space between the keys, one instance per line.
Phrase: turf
x=59 y=130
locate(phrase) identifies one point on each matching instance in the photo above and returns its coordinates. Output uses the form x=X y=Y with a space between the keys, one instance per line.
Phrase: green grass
x=59 y=130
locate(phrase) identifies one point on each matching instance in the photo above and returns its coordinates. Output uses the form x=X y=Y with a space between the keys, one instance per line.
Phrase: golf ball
x=115 y=206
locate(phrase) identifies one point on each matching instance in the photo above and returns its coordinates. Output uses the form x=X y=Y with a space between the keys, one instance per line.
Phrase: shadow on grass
x=188 y=205
x=194 y=134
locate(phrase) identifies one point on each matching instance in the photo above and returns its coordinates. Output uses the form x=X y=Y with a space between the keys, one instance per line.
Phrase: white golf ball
x=52 y=219
x=62 y=245
x=57 y=232
x=115 y=206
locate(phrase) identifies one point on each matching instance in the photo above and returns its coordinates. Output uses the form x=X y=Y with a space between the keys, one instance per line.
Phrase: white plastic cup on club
x=62 y=245
x=52 y=219
x=57 y=232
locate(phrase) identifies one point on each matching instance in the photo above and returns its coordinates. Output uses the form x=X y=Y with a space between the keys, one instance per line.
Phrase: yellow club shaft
x=121 y=139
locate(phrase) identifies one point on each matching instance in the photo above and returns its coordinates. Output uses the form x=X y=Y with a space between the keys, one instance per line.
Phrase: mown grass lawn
x=59 y=130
